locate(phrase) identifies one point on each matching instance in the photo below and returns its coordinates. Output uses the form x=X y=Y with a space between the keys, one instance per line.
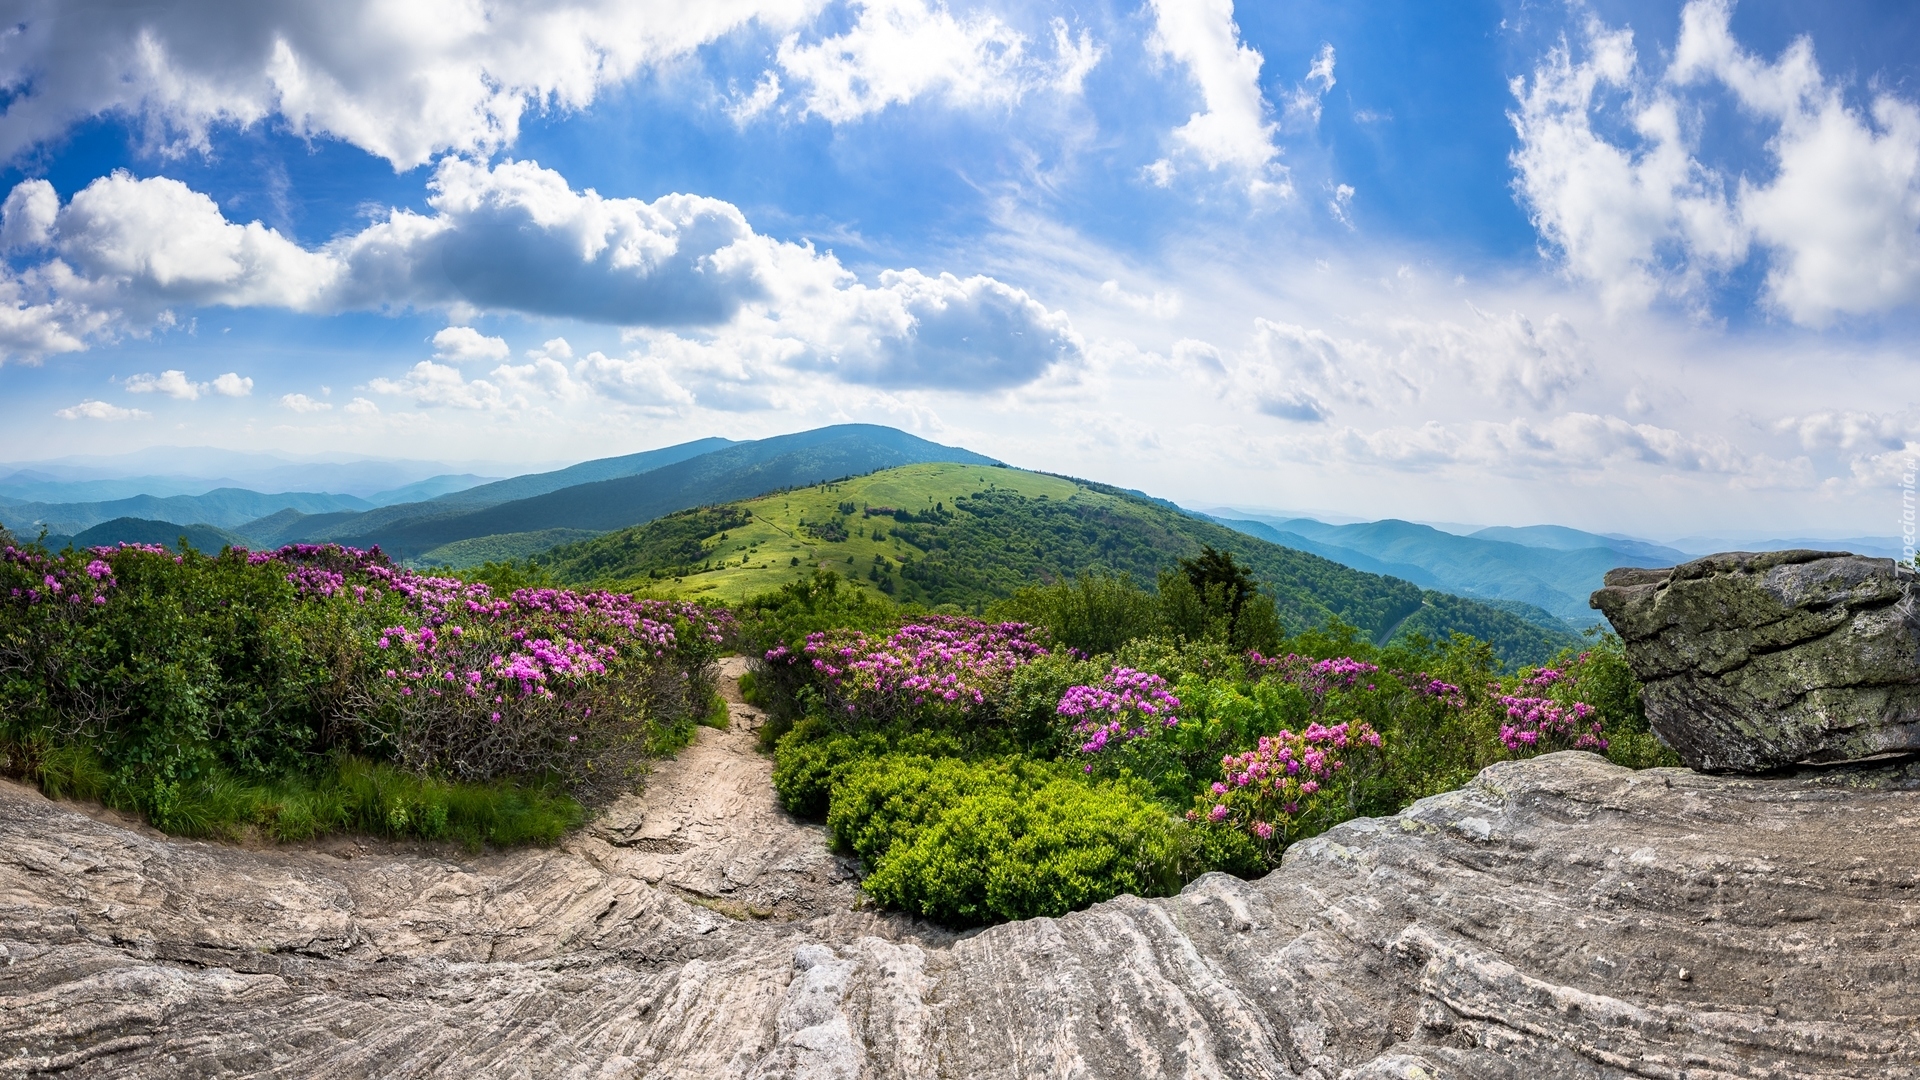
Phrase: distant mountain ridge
x=223 y=507
x=673 y=478
x=1546 y=567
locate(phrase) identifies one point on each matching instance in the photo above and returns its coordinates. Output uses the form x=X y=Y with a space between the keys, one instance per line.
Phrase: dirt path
x=708 y=827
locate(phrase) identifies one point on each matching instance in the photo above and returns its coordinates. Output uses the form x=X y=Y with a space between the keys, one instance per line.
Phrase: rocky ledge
x=1557 y=917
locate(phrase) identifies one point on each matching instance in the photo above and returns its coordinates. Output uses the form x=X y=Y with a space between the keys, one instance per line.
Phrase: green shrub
x=813 y=758
x=1094 y=614
x=969 y=842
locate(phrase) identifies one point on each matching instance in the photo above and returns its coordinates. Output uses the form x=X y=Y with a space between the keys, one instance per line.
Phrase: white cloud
x=1234 y=131
x=1510 y=357
x=91 y=409
x=1341 y=205
x=174 y=384
x=430 y=384
x=26 y=218
x=1617 y=216
x=1850 y=429
x=233 y=384
x=362 y=407
x=1304 y=102
x=516 y=237
x=745 y=108
x=150 y=243
x=402 y=79
x=1294 y=373
x=636 y=380
x=899 y=50
x=1839 y=220
x=301 y=403
x=464 y=344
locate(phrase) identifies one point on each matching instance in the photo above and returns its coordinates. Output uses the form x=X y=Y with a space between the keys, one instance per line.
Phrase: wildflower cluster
x=944 y=666
x=1317 y=677
x=1126 y=705
x=32 y=579
x=1266 y=789
x=1538 y=719
x=442 y=675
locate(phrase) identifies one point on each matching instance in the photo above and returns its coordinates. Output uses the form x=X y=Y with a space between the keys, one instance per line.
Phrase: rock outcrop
x=1559 y=917
x=1754 y=662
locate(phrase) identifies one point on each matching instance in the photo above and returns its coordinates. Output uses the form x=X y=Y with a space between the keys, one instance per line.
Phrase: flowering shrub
x=514 y=686
x=173 y=670
x=1127 y=705
x=1542 y=716
x=940 y=669
x=1282 y=780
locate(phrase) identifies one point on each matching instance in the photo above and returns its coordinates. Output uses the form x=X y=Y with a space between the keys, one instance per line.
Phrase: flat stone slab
x=1754 y=662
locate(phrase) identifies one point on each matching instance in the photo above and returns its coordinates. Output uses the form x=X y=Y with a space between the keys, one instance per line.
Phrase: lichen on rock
x=1753 y=662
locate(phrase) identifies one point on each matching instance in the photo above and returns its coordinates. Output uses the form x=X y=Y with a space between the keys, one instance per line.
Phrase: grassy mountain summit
x=944 y=533
x=668 y=480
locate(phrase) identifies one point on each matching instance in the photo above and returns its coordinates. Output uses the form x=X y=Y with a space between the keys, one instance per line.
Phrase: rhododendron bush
x=176 y=669
x=981 y=774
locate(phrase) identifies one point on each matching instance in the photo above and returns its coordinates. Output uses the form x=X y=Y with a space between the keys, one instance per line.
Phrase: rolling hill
x=967 y=534
x=734 y=471
x=129 y=530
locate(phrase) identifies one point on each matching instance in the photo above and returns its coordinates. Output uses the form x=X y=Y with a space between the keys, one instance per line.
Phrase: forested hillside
x=966 y=535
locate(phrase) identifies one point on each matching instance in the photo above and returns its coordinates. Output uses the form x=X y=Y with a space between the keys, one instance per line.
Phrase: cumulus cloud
x=1513 y=358
x=401 y=79
x=301 y=403
x=515 y=237
x=899 y=50
x=233 y=384
x=1297 y=373
x=431 y=384
x=464 y=344
x=1849 y=429
x=1233 y=131
x=91 y=409
x=363 y=407
x=1643 y=215
x=174 y=384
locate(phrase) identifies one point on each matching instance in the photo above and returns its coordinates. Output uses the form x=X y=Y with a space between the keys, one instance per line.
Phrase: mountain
x=390 y=521
x=504 y=547
x=1561 y=538
x=131 y=530
x=968 y=534
x=224 y=507
x=735 y=471
x=289 y=526
x=1556 y=572
x=433 y=487
x=587 y=472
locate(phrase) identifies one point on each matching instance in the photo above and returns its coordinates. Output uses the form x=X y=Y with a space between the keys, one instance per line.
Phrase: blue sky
x=1636 y=266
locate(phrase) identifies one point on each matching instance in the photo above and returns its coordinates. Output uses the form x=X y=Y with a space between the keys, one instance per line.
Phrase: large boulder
x=1754 y=662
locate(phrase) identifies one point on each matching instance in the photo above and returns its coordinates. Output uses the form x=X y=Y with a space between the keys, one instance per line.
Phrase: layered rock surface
x=1558 y=917
x=1757 y=661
